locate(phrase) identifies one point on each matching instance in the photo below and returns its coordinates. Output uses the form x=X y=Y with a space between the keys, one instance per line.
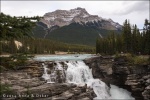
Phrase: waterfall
x=46 y=76
x=78 y=72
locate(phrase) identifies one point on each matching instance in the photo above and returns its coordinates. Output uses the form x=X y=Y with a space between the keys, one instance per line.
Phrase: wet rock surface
x=134 y=78
x=27 y=83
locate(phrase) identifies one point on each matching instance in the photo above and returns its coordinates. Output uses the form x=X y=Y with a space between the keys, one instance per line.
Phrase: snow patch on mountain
x=78 y=15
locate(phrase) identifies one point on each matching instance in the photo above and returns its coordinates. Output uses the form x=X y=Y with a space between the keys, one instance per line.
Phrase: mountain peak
x=80 y=10
x=79 y=15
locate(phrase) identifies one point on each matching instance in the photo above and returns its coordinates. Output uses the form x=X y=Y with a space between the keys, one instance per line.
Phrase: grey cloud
x=139 y=7
x=116 y=10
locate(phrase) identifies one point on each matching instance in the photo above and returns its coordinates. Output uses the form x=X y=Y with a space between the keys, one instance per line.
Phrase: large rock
x=118 y=71
x=93 y=63
x=24 y=84
x=101 y=68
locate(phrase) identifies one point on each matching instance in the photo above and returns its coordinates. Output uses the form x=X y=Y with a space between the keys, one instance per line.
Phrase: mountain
x=78 y=15
x=74 y=26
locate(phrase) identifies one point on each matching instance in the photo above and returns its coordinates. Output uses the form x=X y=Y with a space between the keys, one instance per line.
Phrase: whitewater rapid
x=78 y=72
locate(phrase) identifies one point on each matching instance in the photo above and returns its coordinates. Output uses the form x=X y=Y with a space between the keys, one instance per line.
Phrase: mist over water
x=78 y=72
x=119 y=93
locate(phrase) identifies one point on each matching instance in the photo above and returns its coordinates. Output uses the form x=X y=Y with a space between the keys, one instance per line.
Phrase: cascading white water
x=100 y=89
x=119 y=93
x=46 y=76
x=79 y=73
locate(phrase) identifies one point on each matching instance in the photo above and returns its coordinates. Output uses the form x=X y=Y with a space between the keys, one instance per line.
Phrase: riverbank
x=121 y=72
x=56 y=53
x=27 y=80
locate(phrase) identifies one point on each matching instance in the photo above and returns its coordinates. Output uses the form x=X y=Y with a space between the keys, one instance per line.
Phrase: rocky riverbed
x=117 y=71
x=27 y=81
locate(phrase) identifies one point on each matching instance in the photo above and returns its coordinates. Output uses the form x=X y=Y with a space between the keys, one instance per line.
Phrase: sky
x=118 y=11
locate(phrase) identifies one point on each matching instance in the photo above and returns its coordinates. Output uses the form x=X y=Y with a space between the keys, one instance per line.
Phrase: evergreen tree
x=128 y=42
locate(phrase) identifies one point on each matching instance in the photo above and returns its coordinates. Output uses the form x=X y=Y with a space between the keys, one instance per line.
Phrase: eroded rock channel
x=117 y=71
x=31 y=81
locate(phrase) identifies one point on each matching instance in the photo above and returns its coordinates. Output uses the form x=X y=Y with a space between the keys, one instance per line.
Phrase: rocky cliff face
x=78 y=15
x=135 y=79
x=26 y=83
x=28 y=80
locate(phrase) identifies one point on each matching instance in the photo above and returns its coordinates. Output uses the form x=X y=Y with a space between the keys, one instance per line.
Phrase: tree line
x=130 y=41
x=21 y=29
x=43 y=46
x=16 y=27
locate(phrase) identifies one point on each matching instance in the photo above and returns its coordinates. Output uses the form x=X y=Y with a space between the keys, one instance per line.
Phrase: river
x=72 y=69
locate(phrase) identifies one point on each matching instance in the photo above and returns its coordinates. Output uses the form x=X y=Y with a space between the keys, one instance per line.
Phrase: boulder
x=118 y=71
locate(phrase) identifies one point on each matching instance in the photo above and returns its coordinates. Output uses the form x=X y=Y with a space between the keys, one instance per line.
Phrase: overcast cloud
x=135 y=11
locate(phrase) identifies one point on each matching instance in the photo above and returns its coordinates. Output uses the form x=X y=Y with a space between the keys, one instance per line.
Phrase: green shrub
x=6 y=62
x=15 y=60
x=2 y=68
x=140 y=60
x=130 y=58
x=135 y=60
x=5 y=89
x=21 y=59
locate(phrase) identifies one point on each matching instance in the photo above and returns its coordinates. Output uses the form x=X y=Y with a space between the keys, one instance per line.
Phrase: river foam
x=79 y=73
